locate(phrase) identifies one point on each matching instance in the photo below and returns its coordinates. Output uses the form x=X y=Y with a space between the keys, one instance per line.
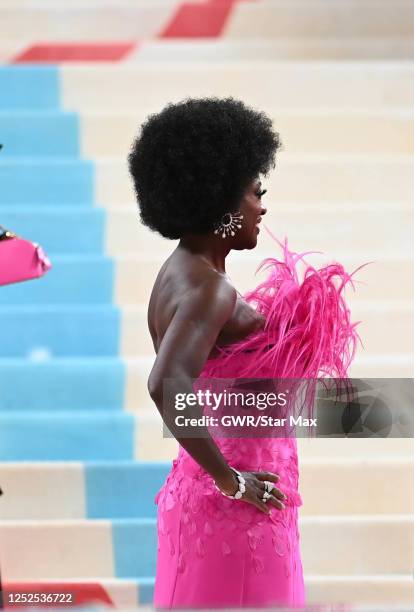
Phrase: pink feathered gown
x=215 y=552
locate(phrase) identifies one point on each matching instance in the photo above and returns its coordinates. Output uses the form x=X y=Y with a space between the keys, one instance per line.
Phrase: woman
x=227 y=512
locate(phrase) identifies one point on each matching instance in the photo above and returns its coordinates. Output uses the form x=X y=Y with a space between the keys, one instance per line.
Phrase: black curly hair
x=192 y=162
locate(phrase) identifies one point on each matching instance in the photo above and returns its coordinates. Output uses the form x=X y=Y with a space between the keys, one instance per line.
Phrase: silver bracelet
x=242 y=485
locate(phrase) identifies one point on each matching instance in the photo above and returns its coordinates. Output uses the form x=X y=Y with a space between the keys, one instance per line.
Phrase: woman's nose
x=263 y=211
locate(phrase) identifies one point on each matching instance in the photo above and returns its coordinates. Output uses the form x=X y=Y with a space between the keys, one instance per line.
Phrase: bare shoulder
x=214 y=297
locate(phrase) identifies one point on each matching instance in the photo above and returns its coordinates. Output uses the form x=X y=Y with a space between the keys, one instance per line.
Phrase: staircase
x=81 y=447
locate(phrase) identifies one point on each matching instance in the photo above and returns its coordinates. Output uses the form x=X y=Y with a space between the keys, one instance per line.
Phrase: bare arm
x=181 y=356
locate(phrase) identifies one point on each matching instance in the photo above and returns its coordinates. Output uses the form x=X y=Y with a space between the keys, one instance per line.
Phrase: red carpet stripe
x=75 y=52
x=195 y=20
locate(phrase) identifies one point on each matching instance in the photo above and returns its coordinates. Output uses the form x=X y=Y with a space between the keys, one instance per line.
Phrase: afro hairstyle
x=192 y=162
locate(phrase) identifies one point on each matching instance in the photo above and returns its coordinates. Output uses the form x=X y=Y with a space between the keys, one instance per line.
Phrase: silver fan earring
x=229 y=224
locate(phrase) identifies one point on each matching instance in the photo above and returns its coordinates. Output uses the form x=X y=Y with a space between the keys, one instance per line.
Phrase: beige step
x=330 y=450
x=385 y=277
x=331 y=545
x=112 y=21
x=56 y=549
x=316 y=455
x=30 y=490
x=384 y=365
x=137 y=397
x=310 y=179
x=303 y=18
x=268 y=19
x=379 y=485
x=373 y=366
x=327 y=230
x=384 y=325
x=93 y=5
x=150 y=442
x=385 y=592
x=243 y=48
x=238 y=50
x=368 y=131
x=267 y=85
x=11 y=48
x=357 y=544
x=272 y=18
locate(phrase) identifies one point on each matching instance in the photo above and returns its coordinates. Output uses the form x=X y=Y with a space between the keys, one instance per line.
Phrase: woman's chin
x=251 y=244
x=246 y=242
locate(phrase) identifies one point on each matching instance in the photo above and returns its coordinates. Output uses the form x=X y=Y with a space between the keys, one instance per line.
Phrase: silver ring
x=266 y=496
x=269 y=486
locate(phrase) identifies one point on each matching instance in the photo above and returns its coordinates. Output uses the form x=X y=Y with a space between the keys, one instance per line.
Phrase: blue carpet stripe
x=60 y=331
x=35 y=134
x=146 y=591
x=73 y=280
x=28 y=436
x=37 y=182
x=59 y=385
x=66 y=230
x=29 y=87
x=62 y=381
x=126 y=490
x=135 y=547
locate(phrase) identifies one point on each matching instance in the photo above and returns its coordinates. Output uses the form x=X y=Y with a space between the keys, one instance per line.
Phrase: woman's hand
x=255 y=488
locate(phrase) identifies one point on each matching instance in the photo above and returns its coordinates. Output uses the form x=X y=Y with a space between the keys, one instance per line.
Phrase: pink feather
x=308 y=332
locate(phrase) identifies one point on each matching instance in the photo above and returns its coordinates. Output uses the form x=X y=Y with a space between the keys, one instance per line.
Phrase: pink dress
x=216 y=552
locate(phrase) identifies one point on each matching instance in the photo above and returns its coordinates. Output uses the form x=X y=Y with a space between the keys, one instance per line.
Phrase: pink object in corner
x=20 y=259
